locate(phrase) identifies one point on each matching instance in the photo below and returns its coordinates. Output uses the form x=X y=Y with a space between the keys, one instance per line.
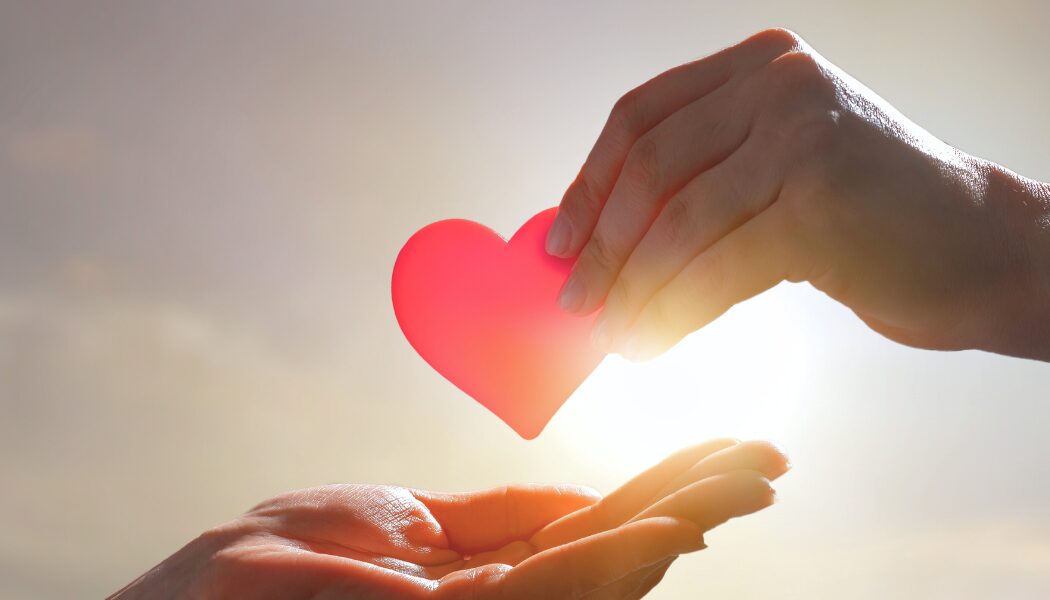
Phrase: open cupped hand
x=535 y=541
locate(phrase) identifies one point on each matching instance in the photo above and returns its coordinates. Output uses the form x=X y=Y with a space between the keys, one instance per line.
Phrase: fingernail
x=786 y=460
x=698 y=545
x=601 y=335
x=559 y=236
x=780 y=449
x=572 y=294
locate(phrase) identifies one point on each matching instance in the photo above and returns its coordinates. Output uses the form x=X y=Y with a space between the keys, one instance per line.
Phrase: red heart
x=484 y=313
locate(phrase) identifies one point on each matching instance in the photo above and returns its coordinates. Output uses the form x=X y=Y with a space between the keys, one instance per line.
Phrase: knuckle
x=777 y=39
x=802 y=74
x=628 y=114
x=806 y=105
x=643 y=167
x=817 y=135
x=590 y=198
x=678 y=222
x=599 y=253
x=585 y=202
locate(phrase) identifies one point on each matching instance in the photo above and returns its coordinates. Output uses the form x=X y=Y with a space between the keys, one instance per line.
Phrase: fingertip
x=680 y=535
x=691 y=536
x=773 y=460
x=780 y=462
x=606 y=332
x=695 y=544
x=754 y=490
x=638 y=347
x=573 y=293
x=631 y=348
x=717 y=499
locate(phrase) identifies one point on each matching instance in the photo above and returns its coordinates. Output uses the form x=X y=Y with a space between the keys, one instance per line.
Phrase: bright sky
x=200 y=207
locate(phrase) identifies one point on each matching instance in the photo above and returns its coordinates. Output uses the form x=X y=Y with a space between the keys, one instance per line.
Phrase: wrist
x=1024 y=296
x=176 y=576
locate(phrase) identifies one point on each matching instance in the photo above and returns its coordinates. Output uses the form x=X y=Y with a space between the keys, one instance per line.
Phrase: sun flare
x=742 y=376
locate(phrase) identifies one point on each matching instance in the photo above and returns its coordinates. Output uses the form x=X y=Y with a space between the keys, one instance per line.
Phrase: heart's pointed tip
x=528 y=434
x=528 y=431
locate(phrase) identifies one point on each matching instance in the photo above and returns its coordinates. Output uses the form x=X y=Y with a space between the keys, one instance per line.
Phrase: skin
x=763 y=163
x=520 y=542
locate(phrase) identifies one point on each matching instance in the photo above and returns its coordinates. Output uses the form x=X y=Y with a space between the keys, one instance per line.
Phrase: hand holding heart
x=765 y=162
x=709 y=184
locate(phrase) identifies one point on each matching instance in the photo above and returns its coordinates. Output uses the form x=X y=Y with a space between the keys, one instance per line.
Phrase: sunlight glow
x=742 y=376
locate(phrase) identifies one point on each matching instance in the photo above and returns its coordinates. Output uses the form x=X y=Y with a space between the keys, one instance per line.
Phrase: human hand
x=527 y=542
x=764 y=162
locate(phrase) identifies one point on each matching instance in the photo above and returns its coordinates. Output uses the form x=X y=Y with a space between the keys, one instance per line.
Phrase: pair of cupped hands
x=709 y=184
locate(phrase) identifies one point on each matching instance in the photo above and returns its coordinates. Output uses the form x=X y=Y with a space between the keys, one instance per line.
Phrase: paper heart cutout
x=484 y=313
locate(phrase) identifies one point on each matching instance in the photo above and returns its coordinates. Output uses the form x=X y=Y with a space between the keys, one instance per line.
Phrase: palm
x=424 y=535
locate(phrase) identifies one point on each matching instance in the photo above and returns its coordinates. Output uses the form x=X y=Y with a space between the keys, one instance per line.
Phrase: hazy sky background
x=200 y=206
